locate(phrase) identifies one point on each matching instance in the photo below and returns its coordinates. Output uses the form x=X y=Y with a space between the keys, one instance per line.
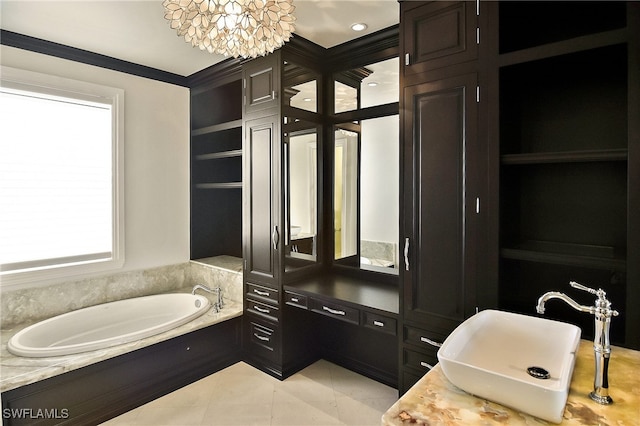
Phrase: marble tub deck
x=19 y=371
x=434 y=400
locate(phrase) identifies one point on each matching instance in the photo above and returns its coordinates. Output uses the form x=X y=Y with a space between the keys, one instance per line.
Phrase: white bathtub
x=108 y=324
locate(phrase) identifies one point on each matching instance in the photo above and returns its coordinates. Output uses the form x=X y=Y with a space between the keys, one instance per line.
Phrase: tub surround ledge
x=434 y=400
x=18 y=371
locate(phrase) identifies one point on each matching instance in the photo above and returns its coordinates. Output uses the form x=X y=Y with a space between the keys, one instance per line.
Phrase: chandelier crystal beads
x=238 y=28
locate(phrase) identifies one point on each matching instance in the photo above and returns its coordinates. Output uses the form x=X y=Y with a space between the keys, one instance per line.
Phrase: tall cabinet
x=275 y=339
x=441 y=187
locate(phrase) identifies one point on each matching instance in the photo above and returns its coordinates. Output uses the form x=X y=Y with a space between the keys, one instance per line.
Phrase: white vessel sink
x=489 y=356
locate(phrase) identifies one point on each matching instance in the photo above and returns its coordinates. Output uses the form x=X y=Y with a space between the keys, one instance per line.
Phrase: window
x=61 y=177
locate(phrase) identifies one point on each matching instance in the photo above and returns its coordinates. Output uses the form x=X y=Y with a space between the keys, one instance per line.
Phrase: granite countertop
x=18 y=371
x=433 y=400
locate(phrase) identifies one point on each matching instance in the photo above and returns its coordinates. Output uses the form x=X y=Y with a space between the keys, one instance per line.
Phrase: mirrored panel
x=301 y=213
x=370 y=85
x=300 y=87
x=366 y=191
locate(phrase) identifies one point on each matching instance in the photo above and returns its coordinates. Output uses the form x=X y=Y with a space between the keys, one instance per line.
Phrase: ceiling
x=136 y=31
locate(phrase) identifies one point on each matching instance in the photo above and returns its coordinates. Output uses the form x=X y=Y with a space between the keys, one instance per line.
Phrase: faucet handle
x=583 y=288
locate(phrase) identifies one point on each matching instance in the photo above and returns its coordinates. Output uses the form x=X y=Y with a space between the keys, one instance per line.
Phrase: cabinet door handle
x=431 y=342
x=295 y=299
x=406 y=254
x=263 y=310
x=426 y=365
x=275 y=237
x=334 y=311
x=263 y=338
x=261 y=293
x=378 y=323
x=407 y=59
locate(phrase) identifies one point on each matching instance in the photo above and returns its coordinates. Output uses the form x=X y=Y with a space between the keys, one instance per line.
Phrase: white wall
x=156 y=157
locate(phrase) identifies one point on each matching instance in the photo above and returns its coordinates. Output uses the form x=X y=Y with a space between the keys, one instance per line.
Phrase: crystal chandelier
x=238 y=28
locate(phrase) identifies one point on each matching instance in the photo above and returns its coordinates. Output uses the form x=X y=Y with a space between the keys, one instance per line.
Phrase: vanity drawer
x=379 y=322
x=263 y=293
x=423 y=338
x=334 y=310
x=264 y=341
x=264 y=310
x=296 y=299
x=418 y=361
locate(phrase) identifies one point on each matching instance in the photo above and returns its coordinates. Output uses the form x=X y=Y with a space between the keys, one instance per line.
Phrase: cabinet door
x=261 y=80
x=263 y=237
x=438 y=34
x=440 y=210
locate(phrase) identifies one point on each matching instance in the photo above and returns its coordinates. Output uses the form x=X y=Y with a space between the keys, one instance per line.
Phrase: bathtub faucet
x=601 y=345
x=218 y=291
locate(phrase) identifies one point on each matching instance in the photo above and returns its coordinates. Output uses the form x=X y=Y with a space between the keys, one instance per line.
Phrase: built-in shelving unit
x=564 y=95
x=216 y=168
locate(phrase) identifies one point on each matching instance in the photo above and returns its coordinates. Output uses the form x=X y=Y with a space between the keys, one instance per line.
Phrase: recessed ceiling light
x=359 y=27
x=372 y=84
x=307 y=99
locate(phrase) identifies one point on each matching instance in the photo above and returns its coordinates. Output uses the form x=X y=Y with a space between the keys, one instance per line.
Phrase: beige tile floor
x=321 y=394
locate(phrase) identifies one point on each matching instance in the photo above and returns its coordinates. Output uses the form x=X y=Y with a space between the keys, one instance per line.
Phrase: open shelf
x=526 y=24
x=219 y=185
x=216 y=105
x=595 y=155
x=570 y=254
x=572 y=103
x=219 y=155
x=216 y=169
x=219 y=142
x=235 y=124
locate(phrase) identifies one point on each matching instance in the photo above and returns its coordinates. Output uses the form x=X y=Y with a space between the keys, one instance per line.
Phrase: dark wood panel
x=100 y=391
x=442 y=167
x=262 y=225
x=261 y=84
x=438 y=34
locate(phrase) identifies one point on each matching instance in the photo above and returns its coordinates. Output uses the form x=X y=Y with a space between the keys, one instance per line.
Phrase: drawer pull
x=431 y=342
x=426 y=365
x=261 y=293
x=263 y=338
x=263 y=310
x=378 y=323
x=334 y=311
x=295 y=299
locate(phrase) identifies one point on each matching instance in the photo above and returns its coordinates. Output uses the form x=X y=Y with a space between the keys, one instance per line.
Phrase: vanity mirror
x=366 y=167
x=301 y=135
x=301 y=190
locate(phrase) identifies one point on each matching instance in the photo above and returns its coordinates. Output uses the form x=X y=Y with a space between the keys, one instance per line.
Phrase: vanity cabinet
x=353 y=322
x=441 y=178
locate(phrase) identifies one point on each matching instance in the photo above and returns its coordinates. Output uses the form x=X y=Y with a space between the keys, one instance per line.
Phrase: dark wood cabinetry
x=262 y=222
x=275 y=340
x=97 y=392
x=216 y=163
x=437 y=34
x=526 y=182
x=564 y=127
x=441 y=185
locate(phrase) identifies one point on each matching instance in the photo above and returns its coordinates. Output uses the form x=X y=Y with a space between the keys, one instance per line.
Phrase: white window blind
x=60 y=179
